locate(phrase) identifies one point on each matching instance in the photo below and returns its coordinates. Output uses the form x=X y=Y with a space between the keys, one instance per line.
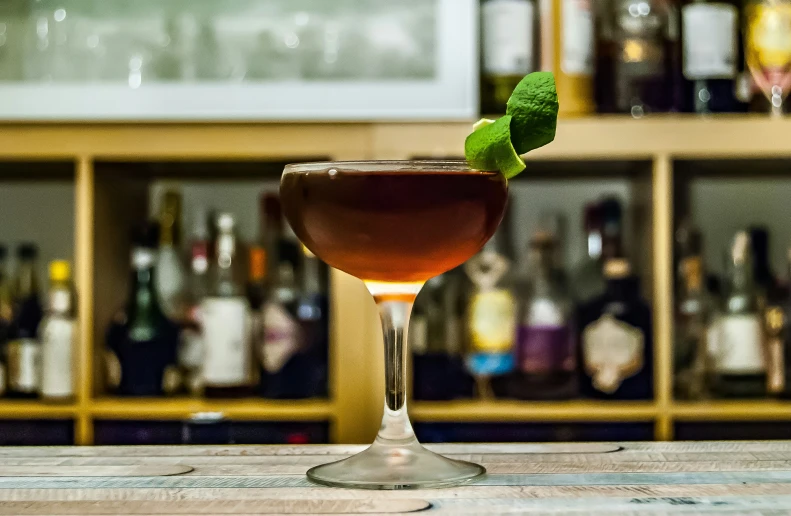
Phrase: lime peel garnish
x=530 y=122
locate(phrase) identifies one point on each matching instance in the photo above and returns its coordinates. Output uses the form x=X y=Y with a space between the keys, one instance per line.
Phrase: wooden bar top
x=595 y=479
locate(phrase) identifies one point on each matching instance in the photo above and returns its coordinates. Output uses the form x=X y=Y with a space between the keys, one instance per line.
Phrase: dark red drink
x=393 y=221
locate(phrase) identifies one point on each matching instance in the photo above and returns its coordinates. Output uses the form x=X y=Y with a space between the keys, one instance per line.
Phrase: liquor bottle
x=612 y=228
x=58 y=333
x=616 y=341
x=23 y=352
x=644 y=39
x=545 y=339
x=171 y=277
x=507 y=35
x=190 y=352
x=226 y=323
x=767 y=53
x=764 y=278
x=738 y=355
x=281 y=339
x=711 y=56
x=308 y=369
x=271 y=232
x=567 y=49
x=434 y=338
x=589 y=278
x=6 y=316
x=491 y=314
x=142 y=338
x=694 y=314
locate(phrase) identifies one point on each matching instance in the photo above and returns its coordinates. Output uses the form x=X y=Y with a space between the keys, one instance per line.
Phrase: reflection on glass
x=146 y=41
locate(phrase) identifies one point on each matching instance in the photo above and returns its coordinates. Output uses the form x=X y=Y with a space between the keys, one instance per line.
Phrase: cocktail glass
x=394 y=225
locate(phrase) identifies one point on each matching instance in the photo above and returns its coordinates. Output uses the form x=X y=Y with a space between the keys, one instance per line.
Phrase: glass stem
x=395 y=324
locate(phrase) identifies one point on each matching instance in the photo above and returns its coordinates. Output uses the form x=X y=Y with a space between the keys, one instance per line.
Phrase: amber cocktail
x=394 y=225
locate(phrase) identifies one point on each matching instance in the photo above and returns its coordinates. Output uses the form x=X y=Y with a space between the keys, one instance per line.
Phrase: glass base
x=395 y=465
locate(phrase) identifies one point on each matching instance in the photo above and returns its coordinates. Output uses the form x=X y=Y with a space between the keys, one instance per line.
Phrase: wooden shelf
x=182 y=408
x=741 y=410
x=32 y=409
x=521 y=411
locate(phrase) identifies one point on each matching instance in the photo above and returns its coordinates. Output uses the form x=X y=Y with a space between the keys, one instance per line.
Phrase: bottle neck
x=26 y=283
x=143 y=298
x=594 y=244
x=225 y=286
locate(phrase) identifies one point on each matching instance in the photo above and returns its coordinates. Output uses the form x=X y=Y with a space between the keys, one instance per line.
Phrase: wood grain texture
x=593 y=479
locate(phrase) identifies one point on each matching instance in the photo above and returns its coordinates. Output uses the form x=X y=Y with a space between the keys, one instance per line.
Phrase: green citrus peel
x=530 y=122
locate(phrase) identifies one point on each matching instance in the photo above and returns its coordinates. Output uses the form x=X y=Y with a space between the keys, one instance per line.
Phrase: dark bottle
x=142 y=338
x=206 y=428
x=643 y=44
x=589 y=278
x=616 y=341
x=545 y=338
x=739 y=364
x=764 y=278
x=711 y=56
x=225 y=318
x=612 y=229
x=23 y=351
x=434 y=338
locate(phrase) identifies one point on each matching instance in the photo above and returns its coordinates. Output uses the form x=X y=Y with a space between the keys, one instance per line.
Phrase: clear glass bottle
x=545 y=338
x=23 y=352
x=58 y=333
x=226 y=322
x=508 y=53
x=588 y=278
x=171 y=277
x=738 y=352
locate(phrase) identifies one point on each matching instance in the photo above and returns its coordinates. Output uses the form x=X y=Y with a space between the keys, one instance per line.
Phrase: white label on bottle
x=709 y=36
x=226 y=359
x=611 y=352
x=24 y=365
x=281 y=337
x=577 y=37
x=171 y=283
x=739 y=346
x=60 y=301
x=508 y=37
x=418 y=334
x=57 y=343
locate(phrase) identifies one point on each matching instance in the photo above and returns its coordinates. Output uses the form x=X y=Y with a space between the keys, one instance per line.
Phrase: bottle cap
x=225 y=222
x=27 y=251
x=59 y=270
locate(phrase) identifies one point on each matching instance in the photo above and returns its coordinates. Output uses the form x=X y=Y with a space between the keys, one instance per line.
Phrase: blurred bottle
x=785 y=333
x=616 y=341
x=171 y=278
x=738 y=349
x=226 y=323
x=694 y=314
x=6 y=316
x=545 y=339
x=712 y=56
x=491 y=314
x=612 y=228
x=142 y=338
x=567 y=49
x=508 y=39
x=271 y=231
x=435 y=340
x=23 y=353
x=281 y=339
x=763 y=276
x=206 y=428
x=767 y=53
x=644 y=39
x=191 y=346
x=58 y=334
x=589 y=278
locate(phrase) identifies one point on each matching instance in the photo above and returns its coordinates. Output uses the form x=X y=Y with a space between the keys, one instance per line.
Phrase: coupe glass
x=394 y=225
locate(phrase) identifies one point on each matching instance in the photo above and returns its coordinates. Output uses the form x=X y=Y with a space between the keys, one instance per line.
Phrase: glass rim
x=389 y=166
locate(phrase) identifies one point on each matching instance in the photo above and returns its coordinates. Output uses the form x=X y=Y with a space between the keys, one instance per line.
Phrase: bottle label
x=545 y=349
x=418 y=334
x=611 y=352
x=57 y=345
x=577 y=37
x=508 y=37
x=709 y=36
x=24 y=365
x=492 y=321
x=768 y=46
x=281 y=337
x=490 y=364
x=190 y=352
x=60 y=301
x=226 y=341
x=738 y=348
x=171 y=283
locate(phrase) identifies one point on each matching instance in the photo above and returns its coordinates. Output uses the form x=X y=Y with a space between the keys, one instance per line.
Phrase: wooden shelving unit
x=355 y=359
